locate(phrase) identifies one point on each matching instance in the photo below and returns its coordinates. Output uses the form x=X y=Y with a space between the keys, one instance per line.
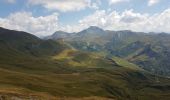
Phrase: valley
x=53 y=69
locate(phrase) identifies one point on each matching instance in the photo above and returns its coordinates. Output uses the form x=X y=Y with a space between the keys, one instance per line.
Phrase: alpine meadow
x=84 y=50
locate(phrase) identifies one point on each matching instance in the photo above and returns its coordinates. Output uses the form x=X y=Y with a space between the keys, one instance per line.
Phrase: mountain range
x=93 y=64
x=150 y=51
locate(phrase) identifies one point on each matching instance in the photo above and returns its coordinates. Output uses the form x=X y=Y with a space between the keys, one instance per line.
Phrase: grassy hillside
x=57 y=79
x=64 y=73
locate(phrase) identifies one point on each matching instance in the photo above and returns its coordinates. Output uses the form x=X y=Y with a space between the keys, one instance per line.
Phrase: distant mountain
x=148 y=50
x=32 y=68
x=59 y=35
x=26 y=43
x=92 y=30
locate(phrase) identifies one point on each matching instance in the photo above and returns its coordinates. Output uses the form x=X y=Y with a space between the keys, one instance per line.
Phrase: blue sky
x=43 y=17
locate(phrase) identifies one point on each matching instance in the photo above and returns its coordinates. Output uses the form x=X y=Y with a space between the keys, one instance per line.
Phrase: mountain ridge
x=37 y=72
x=124 y=44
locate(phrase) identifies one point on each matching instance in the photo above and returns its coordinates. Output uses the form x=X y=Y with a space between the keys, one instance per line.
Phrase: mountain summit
x=126 y=44
x=94 y=30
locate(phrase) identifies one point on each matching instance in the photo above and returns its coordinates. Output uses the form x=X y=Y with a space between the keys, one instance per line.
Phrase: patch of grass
x=125 y=63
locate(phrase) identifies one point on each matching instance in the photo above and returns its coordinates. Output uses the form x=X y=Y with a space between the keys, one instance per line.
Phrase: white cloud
x=65 y=5
x=10 y=1
x=150 y=2
x=116 y=1
x=127 y=20
x=98 y=18
x=24 y=21
x=153 y=2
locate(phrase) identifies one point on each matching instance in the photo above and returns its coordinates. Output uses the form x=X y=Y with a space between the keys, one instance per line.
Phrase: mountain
x=32 y=68
x=25 y=43
x=148 y=50
x=59 y=35
x=92 y=30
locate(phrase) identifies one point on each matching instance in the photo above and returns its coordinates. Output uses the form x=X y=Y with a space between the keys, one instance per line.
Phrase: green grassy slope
x=71 y=74
x=55 y=79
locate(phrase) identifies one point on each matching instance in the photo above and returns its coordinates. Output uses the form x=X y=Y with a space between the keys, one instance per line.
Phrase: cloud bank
x=24 y=21
x=110 y=20
x=153 y=2
x=65 y=5
x=116 y=1
x=127 y=20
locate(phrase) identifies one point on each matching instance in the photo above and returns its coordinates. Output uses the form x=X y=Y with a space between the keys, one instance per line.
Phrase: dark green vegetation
x=44 y=69
x=150 y=51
